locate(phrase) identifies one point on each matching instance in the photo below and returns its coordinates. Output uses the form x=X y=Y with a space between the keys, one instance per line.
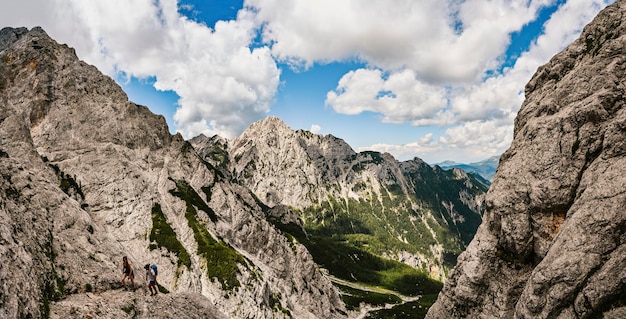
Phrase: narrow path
x=354 y=285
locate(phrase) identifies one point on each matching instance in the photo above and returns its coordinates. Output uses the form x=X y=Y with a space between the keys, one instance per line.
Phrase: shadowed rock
x=553 y=240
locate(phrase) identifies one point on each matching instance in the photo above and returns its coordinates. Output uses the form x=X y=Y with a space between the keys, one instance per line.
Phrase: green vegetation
x=53 y=286
x=353 y=264
x=185 y=192
x=67 y=182
x=238 y=157
x=218 y=155
x=162 y=289
x=410 y=310
x=221 y=258
x=186 y=147
x=162 y=235
x=365 y=158
x=348 y=236
x=88 y=287
x=277 y=306
x=378 y=227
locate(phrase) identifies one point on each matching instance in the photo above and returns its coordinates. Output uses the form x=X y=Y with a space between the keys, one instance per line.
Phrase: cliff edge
x=552 y=242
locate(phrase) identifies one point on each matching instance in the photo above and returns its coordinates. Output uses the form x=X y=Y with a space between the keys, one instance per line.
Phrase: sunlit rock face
x=552 y=241
x=88 y=177
x=409 y=211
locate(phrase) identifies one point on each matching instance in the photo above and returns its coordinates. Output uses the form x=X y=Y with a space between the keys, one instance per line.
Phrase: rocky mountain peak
x=368 y=196
x=88 y=177
x=553 y=239
x=270 y=125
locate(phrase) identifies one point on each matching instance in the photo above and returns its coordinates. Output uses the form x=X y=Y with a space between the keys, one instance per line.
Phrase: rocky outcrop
x=88 y=177
x=553 y=240
x=424 y=215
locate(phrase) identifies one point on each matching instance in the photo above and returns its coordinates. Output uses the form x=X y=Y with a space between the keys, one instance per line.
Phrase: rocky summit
x=407 y=211
x=88 y=177
x=553 y=239
x=356 y=211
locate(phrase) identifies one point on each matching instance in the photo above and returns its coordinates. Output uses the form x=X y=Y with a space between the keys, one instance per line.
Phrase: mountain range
x=278 y=223
x=275 y=223
x=485 y=168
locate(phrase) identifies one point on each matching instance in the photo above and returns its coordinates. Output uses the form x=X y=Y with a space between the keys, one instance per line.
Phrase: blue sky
x=439 y=80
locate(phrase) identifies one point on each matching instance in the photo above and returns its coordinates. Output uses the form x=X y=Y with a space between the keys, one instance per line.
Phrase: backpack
x=154 y=268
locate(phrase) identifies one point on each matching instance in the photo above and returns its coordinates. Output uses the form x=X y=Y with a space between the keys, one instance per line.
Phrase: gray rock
x=82 y=170
x=552 y=243
x=410 y=204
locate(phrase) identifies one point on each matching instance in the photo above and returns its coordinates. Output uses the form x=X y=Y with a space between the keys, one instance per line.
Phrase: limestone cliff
x=553 y=240
x=406 y=211
x=87 y=177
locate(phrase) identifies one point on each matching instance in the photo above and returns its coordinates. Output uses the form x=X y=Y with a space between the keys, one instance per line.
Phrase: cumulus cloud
x=428 y=62
x=399 y=96
x=446 y=41
x=482 y=112
x=315 y=129
x=471 y=141
x=224 y=84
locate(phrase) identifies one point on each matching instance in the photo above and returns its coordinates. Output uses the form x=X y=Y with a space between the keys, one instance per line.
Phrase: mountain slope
x=553 y=240
x=88 y=177
x=406 y=211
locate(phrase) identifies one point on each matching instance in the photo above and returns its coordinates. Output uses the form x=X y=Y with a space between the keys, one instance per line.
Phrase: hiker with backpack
x=156 y=274
x=127 y=270
x=151 y=279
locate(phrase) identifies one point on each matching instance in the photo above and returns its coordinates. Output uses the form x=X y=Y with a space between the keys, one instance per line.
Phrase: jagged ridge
x=82 y=172
x=405 y=211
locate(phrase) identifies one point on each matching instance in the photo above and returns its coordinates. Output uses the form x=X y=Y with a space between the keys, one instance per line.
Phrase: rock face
x=88 y=177
x=407 y=211
x=553 y=240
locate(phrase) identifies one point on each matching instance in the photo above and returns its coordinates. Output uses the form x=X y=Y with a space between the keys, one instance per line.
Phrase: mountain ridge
x=88 y=177
x=312 y=173
x=485 y=168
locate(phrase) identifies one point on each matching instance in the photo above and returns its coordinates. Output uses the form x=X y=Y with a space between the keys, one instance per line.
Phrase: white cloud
x=223 y=83
x=399 y=97
x=483 y=112
x=315 y=129
x=473 y=141
x=426 y=60
x=446 y=41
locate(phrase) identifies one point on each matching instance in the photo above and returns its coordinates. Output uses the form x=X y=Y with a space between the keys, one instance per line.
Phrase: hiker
x=151 y=279
x=127 y=272
x=156 y=274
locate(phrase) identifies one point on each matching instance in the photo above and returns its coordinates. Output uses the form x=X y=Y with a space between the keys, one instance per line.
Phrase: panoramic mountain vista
x=89 y=177
x=361 y=213
x=282 y=223
x=247 y=231
x=553 y=240
x=406 y=211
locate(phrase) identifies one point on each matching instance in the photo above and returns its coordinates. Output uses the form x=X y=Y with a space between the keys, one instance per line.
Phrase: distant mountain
x=361 y=213
x=486 y=168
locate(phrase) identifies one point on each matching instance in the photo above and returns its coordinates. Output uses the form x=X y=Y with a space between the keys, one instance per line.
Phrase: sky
x=434 y=79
